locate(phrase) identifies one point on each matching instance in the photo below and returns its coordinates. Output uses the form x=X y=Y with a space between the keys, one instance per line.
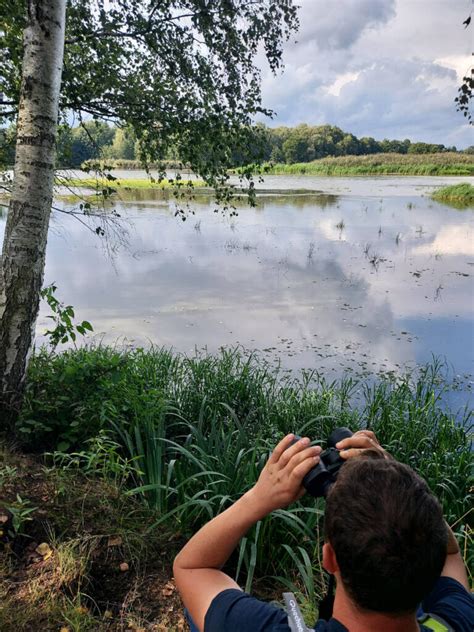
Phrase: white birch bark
x=24 y=246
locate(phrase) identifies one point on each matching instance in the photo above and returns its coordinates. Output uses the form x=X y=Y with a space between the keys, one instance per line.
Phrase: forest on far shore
x=95 y=140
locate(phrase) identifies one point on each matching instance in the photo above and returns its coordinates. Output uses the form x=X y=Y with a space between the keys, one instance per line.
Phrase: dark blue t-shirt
x=235 y=611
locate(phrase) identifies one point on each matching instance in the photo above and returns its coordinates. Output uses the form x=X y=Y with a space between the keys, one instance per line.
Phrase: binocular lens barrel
x=338 y=434
x=319 y=479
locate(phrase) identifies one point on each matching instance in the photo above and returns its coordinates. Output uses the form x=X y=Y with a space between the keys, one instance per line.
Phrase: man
x=387 y=545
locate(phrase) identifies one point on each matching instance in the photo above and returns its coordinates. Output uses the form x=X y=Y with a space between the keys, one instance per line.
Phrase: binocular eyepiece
x=319 y=479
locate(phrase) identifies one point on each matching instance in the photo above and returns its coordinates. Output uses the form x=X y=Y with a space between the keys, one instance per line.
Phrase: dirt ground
x=83 y=558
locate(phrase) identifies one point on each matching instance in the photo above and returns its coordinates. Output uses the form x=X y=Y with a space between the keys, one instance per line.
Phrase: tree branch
x=150 y=25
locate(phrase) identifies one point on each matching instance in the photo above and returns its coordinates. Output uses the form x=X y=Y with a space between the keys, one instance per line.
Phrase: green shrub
x=70 y=396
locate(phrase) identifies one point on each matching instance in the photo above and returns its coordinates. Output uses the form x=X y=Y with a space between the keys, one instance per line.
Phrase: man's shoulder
x=450 y=601
x=235 y=611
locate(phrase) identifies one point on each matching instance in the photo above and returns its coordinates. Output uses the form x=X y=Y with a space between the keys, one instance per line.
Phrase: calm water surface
x=371 y=277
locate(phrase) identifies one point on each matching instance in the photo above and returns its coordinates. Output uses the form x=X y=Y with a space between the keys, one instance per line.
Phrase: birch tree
x=179 y=73
x=24 y=246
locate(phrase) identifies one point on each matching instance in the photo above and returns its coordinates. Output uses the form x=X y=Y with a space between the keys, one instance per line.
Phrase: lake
x=370 y=276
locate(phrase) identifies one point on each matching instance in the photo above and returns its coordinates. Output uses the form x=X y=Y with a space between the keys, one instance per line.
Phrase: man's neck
x=355 y=620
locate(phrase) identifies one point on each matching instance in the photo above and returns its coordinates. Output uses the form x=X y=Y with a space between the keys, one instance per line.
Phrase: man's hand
x=358 y=443
x=280 y=482
x=197 y=567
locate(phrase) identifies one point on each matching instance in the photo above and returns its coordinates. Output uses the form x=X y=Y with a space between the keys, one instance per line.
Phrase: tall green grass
x=199 y=429
x=71 y=395
x=448 y=163
x=459 y=195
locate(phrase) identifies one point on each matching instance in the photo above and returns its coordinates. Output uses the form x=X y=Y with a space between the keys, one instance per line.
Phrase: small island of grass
x=127 y=183
x=459 y=195
x=96 y=190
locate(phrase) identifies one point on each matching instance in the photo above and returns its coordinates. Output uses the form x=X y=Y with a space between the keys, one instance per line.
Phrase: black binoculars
x=319 y=479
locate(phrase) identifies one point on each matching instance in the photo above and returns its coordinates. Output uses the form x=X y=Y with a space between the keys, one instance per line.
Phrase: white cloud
x=461 y=64
x=382 y=68
x=335 y=88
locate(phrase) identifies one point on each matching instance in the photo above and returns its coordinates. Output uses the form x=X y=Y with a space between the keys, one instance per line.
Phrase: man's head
x=387 y=532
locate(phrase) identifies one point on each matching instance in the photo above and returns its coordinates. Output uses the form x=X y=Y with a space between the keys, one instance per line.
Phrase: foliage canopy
x=177 y=72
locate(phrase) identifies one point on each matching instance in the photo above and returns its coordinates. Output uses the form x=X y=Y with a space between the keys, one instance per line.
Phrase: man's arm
x=454 y=565
x=197 y=566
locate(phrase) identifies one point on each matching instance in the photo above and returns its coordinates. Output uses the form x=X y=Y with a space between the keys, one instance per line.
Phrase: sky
x=381 y=68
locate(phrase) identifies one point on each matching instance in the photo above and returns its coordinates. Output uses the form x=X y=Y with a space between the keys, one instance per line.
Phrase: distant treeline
x=95 y=140
x=305 y=143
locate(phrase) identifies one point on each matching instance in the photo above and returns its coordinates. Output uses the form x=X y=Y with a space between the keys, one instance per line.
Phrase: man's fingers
x=306 y=453
x=362 y=439
x=358 y=443
x=280 y=448
x=309 y=458
x=366 y=433
x=349 y=454
x=290 y=453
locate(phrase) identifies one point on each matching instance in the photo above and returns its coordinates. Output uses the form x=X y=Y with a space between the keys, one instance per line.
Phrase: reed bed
x=441 y=164
x=460 y=195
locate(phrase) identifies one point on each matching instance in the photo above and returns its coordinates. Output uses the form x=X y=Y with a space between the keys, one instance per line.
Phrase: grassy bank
x=126 y=183
x=460 y=195
x=181 y=438
x=130 y=165
x=443 y=164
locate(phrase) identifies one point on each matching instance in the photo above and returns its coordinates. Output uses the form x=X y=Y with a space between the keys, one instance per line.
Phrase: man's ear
x=329 y=559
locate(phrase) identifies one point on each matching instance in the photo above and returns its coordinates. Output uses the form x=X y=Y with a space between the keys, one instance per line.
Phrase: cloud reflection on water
x=281 y=278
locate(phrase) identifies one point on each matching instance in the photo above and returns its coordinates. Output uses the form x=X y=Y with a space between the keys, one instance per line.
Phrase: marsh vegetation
x=160 y=442
x=381 y=164
x=460 y=195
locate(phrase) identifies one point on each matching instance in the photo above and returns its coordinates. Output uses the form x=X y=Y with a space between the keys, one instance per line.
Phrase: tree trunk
x=24 y=246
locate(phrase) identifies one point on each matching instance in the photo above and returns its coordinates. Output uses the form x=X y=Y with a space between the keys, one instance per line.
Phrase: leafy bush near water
x=71 y=395
x=198 y=430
